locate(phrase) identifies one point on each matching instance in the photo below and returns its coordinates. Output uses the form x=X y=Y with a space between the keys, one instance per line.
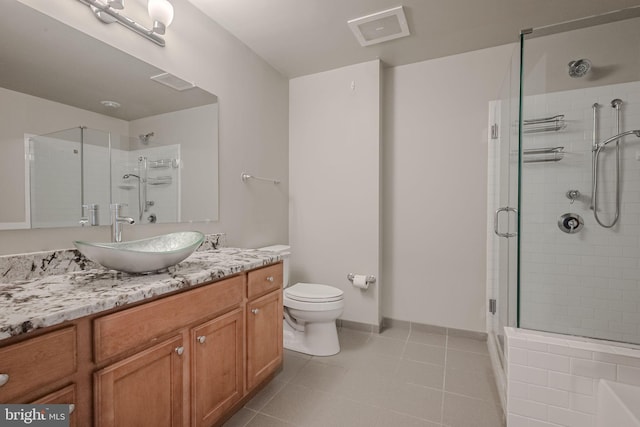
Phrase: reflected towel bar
x=245 y=176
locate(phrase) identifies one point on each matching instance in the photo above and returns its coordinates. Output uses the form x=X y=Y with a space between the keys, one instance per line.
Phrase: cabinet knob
x=269 y=278
x=255 y=311
x=201 y=339
x=72 y=408
x=4 y=378
x=180 y=350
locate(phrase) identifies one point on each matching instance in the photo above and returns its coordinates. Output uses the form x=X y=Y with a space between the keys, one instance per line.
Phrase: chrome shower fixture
x=579 y=68
x=602 y=144
x=145 y=138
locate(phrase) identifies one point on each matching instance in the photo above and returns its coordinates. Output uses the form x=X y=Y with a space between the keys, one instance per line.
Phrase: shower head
x=129 y=175
x=579 y=68
x=145 y=138
x=601 y=145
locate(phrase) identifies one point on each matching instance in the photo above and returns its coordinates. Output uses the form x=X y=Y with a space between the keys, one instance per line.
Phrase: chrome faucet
x=93 y=217
x=117 y=221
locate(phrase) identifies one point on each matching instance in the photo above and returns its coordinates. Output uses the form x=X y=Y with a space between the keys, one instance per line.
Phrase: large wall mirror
x=83 y=123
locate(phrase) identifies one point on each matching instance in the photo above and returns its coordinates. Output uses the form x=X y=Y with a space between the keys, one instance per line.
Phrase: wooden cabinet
x=264 y=335
x=66 y=395
x=120 y=332
x=32 y=364
x=188 y=359
x=263 y=280
x=217 y=367
x=142 y=390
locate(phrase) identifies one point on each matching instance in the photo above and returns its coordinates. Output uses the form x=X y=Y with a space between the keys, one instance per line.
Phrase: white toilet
x=310 y=313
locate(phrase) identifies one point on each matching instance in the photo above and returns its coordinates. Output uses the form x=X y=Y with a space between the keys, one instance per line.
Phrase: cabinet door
x=264 y=337
x=216 y=367
x=142 y=390
x=66 y=395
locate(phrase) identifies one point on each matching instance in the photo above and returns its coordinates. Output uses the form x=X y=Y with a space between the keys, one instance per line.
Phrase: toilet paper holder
x=369 y=280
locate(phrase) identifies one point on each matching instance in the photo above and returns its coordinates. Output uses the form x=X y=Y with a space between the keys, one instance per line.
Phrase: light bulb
x=161 y=11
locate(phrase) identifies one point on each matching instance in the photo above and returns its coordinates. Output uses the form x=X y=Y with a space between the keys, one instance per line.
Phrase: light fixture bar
x=125 y=21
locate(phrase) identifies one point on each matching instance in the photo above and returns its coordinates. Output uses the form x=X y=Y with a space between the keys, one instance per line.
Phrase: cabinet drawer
x=36 y=362
x=264 y=280
x=128 y=329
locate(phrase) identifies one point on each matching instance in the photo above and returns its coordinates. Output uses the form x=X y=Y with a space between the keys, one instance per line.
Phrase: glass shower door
x=503 y=202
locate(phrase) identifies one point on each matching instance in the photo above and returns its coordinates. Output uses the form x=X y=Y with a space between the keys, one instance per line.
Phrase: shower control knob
x=570 y=223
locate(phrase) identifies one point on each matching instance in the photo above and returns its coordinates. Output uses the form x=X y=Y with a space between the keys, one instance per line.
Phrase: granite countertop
x=37 y=302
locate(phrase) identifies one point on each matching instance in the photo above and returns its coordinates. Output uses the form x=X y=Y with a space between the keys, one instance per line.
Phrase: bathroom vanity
x=183 y=348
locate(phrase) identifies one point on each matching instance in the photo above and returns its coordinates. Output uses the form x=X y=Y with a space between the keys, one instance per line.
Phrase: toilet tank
x=284 y=251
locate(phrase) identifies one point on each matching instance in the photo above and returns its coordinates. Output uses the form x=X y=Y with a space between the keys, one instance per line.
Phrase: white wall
x=334 y=159
x=434 y=187
x=253 y=124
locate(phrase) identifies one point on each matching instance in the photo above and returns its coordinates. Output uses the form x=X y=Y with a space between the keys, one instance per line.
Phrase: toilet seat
x=313 y=293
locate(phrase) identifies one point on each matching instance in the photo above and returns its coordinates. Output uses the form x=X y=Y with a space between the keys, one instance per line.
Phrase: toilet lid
x=312 y=292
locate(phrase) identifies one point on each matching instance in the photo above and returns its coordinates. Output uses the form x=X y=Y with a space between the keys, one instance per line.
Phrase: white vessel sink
x=145 y=255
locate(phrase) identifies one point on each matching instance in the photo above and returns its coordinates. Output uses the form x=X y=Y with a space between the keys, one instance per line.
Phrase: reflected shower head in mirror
x=579 y=68
x=145 y=138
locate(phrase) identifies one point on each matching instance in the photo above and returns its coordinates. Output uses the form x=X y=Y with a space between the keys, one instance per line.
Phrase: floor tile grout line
x=444 y=375
x=279 y=419
x=255 y=413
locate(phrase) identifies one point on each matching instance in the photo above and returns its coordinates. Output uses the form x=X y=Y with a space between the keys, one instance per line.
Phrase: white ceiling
x=300 y=37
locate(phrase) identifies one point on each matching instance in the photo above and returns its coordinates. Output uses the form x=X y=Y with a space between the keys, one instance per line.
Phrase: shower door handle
x=495 y=222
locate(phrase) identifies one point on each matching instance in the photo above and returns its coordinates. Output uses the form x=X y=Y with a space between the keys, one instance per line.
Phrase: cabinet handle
x=4 y=378
x=180 y=350
x=201 y=339
x=72 y=408
x=269 y=278
x=255 y=311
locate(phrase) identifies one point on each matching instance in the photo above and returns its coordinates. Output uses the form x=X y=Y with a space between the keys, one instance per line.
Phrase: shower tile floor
x=404 y=376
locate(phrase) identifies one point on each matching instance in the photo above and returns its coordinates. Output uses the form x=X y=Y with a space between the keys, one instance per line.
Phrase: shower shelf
x=163 y=163
x=161 y=180
x=545 y=124
x=540 y=155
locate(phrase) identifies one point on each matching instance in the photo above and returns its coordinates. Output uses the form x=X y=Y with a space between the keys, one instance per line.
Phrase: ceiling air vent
x=380 y=26
x=172 y=81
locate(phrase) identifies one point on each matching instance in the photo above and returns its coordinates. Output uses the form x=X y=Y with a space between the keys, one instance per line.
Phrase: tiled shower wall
x=586 y=283
x=553 y=379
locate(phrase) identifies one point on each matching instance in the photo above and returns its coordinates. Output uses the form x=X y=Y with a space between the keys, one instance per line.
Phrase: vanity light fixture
x=160 y=11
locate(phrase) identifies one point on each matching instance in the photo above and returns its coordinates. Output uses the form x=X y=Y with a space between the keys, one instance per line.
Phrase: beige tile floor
x=405 y=376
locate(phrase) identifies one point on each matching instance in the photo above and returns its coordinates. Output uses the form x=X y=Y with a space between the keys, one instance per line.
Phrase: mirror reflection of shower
x=141 y=184
x=149 y=182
